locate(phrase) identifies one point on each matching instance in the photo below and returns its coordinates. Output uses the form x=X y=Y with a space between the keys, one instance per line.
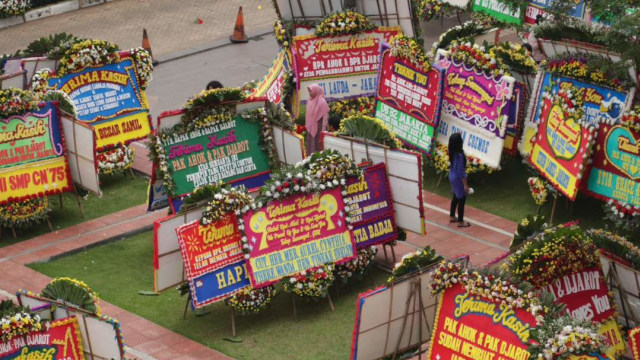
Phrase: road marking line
x=476 y=222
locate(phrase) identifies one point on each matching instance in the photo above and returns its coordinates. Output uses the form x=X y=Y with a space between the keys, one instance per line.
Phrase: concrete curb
x=106 y=241
x=217 y=44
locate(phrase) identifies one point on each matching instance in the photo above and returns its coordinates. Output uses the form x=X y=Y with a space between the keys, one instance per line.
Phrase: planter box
x=11 y=21
x=88 y=3
x=50 y=10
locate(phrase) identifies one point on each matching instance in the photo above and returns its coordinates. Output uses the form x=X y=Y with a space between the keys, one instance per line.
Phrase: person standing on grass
x=316 y=118
x=458 y=179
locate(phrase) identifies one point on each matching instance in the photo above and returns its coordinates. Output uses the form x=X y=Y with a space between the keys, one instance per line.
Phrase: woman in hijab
x=458 y=179
x=316 y=118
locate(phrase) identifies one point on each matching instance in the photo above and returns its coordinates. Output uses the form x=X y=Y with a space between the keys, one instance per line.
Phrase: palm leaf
x=66 y=291
x=368 y=128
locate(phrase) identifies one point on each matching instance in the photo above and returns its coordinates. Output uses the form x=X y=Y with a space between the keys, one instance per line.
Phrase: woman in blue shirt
x=458 y=179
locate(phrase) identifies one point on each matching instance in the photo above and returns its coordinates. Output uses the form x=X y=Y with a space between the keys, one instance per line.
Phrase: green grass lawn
x=119 y=192
x=319 y=333
x=506 y=193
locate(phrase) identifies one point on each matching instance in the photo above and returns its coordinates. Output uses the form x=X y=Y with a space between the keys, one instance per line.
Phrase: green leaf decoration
x=72 y=292
x=368 y=128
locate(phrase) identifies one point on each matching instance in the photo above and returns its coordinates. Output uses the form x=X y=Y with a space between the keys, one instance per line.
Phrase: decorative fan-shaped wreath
x=369 y=128
x=74 y=293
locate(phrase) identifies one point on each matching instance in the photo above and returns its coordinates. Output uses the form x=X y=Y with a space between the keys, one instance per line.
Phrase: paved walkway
x=172 y=25
x=144 y=339
x=485 y=240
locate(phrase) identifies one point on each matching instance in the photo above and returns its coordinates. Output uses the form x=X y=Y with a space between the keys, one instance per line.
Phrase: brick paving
x=485 y=240
x=171 y=25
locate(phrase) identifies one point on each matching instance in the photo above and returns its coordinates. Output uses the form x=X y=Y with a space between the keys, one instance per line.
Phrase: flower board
x=297 y=233
x=228 y=151
x=371 y=206
x=272 y=82
x=615 y=169
x=584 y=293
x=600 y=104
x=110 y=99
x=634 y=342
x=62 y=341
x=498 y=10
x=408 y=100
x=344 y=66
x=476 y=327
x=219 y=284
x=515 y=119
x=211 y=247
x=561 y=149
x=208 y=247
x=537 y=7
x=476 y=104
x=33 y=159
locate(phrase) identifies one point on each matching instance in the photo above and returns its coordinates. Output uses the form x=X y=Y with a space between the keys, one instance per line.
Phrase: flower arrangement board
x=295 y=234
x=271 y=84
x=615 y=170
x=168 y=264
x=101 y=336
x=499 y=10
x=552 y=48
x=60 y=342
x=228 y=151
x=404 y=170
x=561 y=149
x=33 y=158
x=537 y=7
x=584 y=293
x=372 y=207
x=516 y=118
x=344 y=66
x=289 y=147
x=109 y=98
x=586 y=297
x=213 y=259
x=81 y=152
x=409 y=100
x=477 y=106
x=471 y=324
x=600 y=104
x=634 y=342
x=379 y=316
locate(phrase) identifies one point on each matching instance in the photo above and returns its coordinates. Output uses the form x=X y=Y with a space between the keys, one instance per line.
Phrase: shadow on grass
x=319 y=333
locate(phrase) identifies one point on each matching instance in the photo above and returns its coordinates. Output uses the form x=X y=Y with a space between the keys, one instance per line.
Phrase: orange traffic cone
x=147 y=45
x=238 y=31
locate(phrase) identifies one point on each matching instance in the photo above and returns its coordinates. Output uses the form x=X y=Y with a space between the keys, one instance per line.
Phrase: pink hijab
x=317 y=109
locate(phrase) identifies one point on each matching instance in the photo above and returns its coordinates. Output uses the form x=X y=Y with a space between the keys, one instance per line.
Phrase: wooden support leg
x=440 y=180
x=330 y=302
x=133 y=176
x=49 y=223
x=553 y=209
x=13 y=230
x=186 y=306
x=61 y=205
x=233 y=322
x=295 y=312
x=75 y=192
